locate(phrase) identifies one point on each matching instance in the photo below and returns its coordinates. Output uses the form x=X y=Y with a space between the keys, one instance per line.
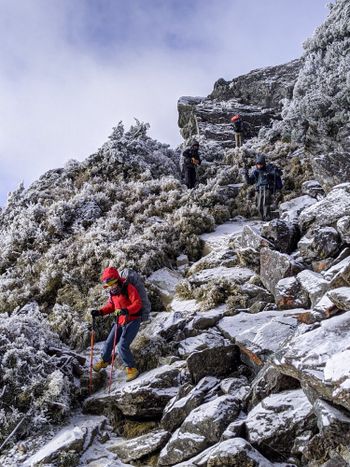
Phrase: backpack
x=132 y=277
x=278 y=183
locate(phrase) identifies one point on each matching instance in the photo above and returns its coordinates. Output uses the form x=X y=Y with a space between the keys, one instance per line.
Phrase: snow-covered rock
x=166 y=281
x=143 y=397
x=201 y=428
x=260 y=335
x=181 y=405
x=136 y=448
x=75 y=438
x=319 y=359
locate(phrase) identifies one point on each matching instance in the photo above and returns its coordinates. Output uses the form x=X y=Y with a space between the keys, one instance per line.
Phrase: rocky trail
x=254 y=380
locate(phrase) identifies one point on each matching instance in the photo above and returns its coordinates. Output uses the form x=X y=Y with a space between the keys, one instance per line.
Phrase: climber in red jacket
x=125 y=302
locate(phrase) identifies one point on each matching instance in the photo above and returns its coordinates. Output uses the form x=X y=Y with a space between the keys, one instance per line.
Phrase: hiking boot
x=131 y=373
x=99 y=365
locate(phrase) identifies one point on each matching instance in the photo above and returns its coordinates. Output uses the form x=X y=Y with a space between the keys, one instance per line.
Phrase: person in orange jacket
x=125 y=302
x=238 y=129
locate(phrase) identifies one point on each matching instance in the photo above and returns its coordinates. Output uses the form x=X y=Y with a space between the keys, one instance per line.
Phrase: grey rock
x=273 y=424
x=318 y=359
x=235 y=452
x=327 y=211
x=182 y=405
x=289 y=294
x=343 y=227
x=275 y=266
x=144 y=397
x=261 y=335
x=252 y=238
x=324 y=243
x=206 y=340
x=313 y=284
x=282 y=234
x=136 y=448
x=217 y=361
x=203 y=427
x=76 y=437
x=290 y=210
x=340 y=297
x=269 y=381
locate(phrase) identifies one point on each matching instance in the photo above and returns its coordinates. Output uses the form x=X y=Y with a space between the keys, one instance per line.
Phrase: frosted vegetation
x=36 y=378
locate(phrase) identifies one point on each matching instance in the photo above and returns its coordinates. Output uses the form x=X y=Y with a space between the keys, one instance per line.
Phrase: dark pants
x=238 y=138
x=125 y=335
x=190 y=177
x=263 y=202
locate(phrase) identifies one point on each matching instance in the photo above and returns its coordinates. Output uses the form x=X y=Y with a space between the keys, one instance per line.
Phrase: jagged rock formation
x=244 y=361
x=257 y=96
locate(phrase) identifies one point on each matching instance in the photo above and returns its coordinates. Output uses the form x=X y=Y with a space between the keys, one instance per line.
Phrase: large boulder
x=282 y=234
x=289 y=294
x=182 y=405
x=319 y=360
x=137 y=448
x=235 y=452
x=313 y=284
x=260 y=335
x=327 y=211
x=74 y=439
x=215 y=361
x=273 y=424
x=202 y=428
x=145 y=397
x=275 y=266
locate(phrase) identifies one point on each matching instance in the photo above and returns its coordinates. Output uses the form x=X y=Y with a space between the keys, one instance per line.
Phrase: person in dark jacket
x=125 y=302
x=267 y=178
x=238 y=129
x=191 y=160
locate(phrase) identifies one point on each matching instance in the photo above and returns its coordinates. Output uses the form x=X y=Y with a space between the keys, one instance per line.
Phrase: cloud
x=72 y=70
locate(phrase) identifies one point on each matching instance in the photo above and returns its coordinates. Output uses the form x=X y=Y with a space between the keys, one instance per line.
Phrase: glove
x=122 y=312
x=243 y=171
x=95 y=313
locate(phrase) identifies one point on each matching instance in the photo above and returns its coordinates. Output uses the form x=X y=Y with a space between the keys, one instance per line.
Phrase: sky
x=72 y=69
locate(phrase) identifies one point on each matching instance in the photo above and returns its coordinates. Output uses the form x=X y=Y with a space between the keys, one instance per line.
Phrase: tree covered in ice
x=36 y=378
x=318 y=115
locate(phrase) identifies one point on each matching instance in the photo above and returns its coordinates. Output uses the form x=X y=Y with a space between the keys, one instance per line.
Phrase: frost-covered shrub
x=37 y=383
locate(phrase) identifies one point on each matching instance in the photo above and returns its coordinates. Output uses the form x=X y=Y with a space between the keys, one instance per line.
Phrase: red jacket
x=132 y=303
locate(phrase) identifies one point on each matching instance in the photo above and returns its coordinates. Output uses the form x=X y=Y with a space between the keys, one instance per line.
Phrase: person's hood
x=260 y=159
x=110 y=273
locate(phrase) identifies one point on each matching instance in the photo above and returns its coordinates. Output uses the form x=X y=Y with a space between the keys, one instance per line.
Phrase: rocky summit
x=244 y=361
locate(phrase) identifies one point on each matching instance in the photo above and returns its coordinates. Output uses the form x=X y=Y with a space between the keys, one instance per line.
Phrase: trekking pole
x=113 y=355
x=92 y=343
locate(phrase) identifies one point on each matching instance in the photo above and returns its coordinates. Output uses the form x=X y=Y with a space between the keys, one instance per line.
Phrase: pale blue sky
x=72 y=69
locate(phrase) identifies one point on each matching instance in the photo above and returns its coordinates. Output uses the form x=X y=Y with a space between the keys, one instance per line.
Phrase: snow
x=277 y=412
x=224 y=233
x=290 y=210
x=234 y=274
x=183 y=306
x=337 y=369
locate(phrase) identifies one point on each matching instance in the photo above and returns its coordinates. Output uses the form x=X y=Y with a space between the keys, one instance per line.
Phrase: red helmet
x=235 y=118
x=110 y=276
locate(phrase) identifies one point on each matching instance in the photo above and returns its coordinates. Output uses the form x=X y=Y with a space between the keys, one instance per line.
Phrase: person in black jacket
x=267 y=179
x=191 y=161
